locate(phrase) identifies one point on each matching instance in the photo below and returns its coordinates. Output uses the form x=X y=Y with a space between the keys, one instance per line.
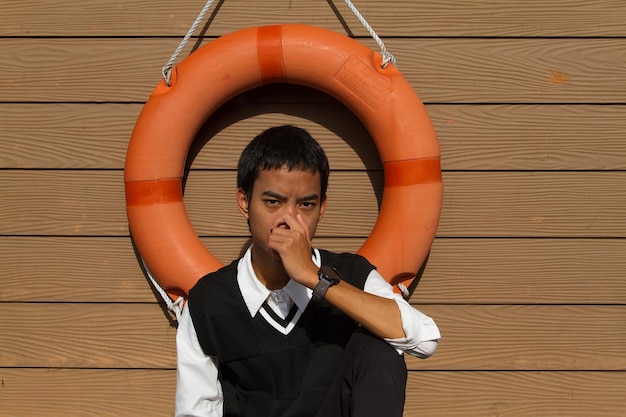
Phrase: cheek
x=312 y=221
x=260 y=221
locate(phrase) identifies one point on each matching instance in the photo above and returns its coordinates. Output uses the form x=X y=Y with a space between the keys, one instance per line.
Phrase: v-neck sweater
x=264 y=370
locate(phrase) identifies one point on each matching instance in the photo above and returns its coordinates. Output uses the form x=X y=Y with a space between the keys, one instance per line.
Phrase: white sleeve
x=198 y=390
x=421 y=332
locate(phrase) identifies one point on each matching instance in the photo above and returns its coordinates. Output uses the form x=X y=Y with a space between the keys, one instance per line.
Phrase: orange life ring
x=344 y=68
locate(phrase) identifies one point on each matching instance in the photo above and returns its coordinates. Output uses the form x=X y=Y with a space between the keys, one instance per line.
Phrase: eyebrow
x=282 y=197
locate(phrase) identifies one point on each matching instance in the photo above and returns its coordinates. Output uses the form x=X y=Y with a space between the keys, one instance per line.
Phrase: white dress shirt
x=198 y=389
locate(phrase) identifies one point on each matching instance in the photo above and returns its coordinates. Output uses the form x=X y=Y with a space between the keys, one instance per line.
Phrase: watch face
x=330 y=274
x=328 y=277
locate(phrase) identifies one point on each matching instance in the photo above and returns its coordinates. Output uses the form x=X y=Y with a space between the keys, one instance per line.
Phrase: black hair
x=281 y=146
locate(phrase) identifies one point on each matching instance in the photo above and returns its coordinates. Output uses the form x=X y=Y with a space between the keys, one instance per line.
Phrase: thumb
x=304 y=226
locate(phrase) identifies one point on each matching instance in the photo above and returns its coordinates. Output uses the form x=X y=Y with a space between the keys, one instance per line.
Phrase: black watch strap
x=328 y=276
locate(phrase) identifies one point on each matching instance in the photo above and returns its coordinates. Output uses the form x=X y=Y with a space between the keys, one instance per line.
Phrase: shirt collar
x=254 y=293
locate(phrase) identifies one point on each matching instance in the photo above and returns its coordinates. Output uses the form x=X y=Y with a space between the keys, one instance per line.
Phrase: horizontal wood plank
x=461 y=271
x=472 y=137
x=515 y=394
x=492 y=70
x=389 y=18
x=122 y=393
x=87 y=393
x=474 y=337
x=530 y=137
x=533 y=204
x=76 y=335
x=476 y=204
x=97 y=135
x=524 y=271
x=527 y=337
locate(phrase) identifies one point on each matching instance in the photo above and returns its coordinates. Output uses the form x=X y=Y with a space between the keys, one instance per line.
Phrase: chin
x=276 y=257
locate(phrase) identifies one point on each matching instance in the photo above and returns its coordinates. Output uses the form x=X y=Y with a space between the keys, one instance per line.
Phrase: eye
x=271 y=202
x=307 y=204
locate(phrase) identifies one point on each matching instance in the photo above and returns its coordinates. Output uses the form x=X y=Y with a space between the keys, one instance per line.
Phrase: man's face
x=278 y=197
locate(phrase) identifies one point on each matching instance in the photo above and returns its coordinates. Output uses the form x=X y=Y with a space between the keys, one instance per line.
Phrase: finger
x=303 y=225
x=280 y=236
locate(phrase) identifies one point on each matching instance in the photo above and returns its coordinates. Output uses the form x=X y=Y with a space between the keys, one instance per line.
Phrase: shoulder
x=344 y=258
x=352 y=267
x=216 y=293
x=222 y=278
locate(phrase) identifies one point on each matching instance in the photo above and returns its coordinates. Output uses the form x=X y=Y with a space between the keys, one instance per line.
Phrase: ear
x=322 y=207
x=243 y=203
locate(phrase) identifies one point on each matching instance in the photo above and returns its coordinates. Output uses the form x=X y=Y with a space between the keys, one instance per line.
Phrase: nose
x=291 y=209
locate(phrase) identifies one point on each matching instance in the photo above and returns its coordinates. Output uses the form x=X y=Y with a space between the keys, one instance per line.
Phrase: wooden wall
x=527 y=274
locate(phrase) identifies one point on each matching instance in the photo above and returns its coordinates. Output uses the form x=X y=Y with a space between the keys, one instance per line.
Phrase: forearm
x=421 y=334
x=379 y=315
x=378 y=309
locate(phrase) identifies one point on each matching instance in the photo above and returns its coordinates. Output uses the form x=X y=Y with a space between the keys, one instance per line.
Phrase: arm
x=421 y=332
x=378 y=309
x=387 y=315
x=198 y=390
x=379 y=315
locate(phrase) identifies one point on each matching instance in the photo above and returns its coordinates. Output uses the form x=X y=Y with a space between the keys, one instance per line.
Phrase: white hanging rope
x=167 y=69
x=175 y=307
x=387 y=57
x=404 y=290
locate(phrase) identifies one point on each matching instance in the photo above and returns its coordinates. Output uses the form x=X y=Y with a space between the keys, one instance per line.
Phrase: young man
x=290 y=330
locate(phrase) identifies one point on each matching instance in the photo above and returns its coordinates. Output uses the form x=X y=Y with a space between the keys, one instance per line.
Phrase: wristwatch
x=328 y=277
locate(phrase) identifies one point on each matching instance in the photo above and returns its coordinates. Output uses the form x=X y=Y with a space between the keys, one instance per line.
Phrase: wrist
x=327 y=277
x=308 y=277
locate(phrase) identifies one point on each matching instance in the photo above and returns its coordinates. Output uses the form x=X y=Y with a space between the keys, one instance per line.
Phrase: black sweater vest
x=263 y=372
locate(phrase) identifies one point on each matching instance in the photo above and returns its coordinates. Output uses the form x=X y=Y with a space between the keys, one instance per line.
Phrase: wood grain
x=525 y=278
x=527 y=337
x=530 y=137
x=390 y=18
x=472 y=137
x=516 y=394
x=524 y=271
x=75 y=335
x=459 y=271
x=87 y=393
x=555 y=204
x=474 y=337
x=121 y=393
x=97 y=135
x=476 y=204
x=441 y=70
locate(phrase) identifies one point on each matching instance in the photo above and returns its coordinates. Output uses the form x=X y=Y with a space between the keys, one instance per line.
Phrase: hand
x=289 y=237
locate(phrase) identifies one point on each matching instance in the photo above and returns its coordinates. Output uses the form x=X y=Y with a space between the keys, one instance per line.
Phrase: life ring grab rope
x=166 y=71
x=383 y=100
x=175 y=306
